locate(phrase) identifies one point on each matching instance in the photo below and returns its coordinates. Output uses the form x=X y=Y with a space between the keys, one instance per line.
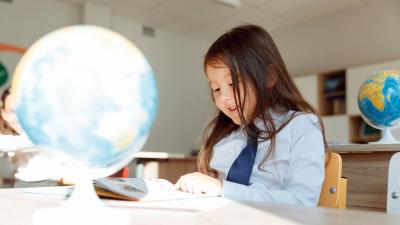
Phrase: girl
x=266 y=143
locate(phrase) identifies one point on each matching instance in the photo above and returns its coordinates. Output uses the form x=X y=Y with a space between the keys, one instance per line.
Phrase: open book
x=137 y=189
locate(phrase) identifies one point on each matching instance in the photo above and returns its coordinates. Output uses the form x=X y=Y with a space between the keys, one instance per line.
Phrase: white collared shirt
x=294 y=175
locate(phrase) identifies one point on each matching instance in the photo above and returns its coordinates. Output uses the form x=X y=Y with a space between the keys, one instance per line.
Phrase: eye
x=231 y=84
x=215 y=90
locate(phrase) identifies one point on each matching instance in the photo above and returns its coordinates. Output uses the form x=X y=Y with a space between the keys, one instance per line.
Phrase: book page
x=56 y=191
x=143 y=189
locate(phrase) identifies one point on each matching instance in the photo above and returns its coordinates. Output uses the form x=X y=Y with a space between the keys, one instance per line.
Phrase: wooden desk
x=17 y=208
x=366 y=168
x=163 y=165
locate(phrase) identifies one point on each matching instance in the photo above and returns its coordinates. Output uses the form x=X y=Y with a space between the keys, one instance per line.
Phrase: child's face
x=9 y=115
x=219 y=78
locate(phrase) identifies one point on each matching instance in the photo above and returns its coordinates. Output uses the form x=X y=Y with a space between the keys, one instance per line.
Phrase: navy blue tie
x=241 y=168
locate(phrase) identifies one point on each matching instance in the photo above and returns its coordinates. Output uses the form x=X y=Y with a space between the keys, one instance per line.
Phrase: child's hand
x=199 y=183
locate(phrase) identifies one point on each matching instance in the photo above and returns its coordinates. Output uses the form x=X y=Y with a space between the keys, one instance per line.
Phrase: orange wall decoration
x=3 y=70
x=11 y=48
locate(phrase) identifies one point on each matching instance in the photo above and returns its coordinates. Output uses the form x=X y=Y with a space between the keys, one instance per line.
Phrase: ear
x=272 y=75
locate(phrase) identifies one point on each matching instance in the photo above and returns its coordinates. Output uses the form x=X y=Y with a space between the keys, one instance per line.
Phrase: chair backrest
x=334 y=188
x=393 y=194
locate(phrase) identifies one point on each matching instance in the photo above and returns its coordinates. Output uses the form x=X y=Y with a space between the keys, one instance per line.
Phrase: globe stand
x=387 y=138
x=83 y=207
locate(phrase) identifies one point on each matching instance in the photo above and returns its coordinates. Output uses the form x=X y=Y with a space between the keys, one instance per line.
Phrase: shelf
x=362 y=140
x=332 y=93
x=335 y=94
x=361 y=132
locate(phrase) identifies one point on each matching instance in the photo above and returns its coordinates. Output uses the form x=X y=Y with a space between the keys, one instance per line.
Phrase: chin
x=236 y=121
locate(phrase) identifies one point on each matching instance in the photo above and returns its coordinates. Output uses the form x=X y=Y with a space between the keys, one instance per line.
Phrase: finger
x=190 y=184
x=198 y=188
x=181 y=181
x=188 y=181
x=178 y=184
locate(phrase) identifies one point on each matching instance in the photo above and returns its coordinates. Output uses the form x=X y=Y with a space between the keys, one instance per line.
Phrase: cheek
x=218 y=104
x=251 y=105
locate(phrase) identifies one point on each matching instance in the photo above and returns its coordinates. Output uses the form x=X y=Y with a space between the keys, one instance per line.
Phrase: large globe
x=379 y=99
x=87 y=93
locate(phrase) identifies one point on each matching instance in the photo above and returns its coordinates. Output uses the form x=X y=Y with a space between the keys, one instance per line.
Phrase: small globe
x=87 y=93
x=379 y=99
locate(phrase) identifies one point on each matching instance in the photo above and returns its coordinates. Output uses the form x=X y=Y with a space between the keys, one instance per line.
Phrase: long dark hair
x=253 y=58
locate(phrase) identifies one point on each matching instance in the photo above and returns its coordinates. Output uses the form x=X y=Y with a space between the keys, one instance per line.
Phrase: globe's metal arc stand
x=387 y=138
x=83 y=208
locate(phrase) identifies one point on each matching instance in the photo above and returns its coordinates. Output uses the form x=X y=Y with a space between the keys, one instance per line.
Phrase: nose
x=225 y=96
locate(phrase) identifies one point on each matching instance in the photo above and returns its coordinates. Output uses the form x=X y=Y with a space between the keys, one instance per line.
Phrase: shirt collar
x=277 y=117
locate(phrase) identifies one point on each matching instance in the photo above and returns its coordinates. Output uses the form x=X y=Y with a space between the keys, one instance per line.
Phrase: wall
x=357 y=36
x=24 y=21
x=352 y=37
x=185 y=105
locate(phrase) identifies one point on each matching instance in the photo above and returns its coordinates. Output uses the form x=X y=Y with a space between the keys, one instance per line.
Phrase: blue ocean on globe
x=379 y=99
x=86 y=92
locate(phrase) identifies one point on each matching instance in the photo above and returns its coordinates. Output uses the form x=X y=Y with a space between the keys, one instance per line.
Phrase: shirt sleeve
x=303 y=179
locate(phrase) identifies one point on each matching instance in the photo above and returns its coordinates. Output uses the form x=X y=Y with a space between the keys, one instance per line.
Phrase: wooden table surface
x=17 y=208
x=364 y=148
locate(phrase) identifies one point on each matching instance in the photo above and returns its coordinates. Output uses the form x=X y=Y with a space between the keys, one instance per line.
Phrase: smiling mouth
x=231 y=109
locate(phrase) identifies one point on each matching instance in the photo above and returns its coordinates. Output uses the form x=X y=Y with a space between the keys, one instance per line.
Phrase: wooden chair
x=393 y=193
x=334 y=188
